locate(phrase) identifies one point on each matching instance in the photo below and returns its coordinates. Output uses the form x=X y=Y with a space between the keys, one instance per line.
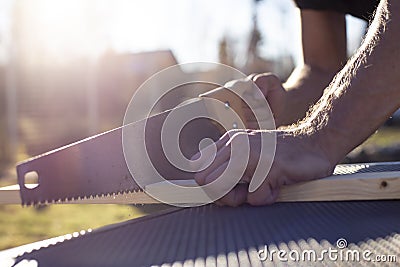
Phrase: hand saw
x=366 y=181
x=94 y=170
x=95 y=167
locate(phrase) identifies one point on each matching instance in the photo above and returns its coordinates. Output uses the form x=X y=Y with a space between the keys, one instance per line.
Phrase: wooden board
x=358 y=186
x=10 y=195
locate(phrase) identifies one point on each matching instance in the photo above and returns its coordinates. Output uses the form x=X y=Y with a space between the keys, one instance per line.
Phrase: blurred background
x=68 y=69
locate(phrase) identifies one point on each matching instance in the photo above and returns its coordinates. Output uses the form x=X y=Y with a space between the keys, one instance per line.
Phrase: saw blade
x=96 y=166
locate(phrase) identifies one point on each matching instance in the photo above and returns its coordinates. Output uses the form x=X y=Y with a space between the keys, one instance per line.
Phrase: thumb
x=267 y=82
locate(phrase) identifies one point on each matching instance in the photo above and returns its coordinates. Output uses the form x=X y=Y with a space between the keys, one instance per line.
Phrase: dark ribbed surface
x=367 y=168
x=223 y=236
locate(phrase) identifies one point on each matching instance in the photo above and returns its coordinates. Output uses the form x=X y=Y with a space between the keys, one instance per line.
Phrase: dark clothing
x=363 y=9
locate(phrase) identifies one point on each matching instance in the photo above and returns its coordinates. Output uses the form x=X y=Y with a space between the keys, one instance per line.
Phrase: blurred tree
x=254 y=62
x=4 y=153
x=225 y=52
x=255 y=41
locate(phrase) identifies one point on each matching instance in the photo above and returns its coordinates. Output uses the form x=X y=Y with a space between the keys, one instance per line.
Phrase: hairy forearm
x=304 y=87
x=324 y=53
x=364 y=93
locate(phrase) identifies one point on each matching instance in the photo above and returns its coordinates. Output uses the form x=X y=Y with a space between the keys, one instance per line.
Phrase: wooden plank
x=360 y=186
x=10 y=195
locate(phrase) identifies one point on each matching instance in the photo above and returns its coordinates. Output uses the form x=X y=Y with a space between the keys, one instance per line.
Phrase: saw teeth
x=66 y=200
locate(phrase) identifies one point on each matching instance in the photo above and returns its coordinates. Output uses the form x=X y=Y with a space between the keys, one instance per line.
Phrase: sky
x=190 y=28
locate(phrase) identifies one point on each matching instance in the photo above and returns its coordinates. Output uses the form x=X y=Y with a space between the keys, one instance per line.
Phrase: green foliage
x=21 y=225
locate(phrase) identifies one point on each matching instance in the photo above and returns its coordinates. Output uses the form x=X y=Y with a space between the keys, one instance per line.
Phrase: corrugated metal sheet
x=223 y=236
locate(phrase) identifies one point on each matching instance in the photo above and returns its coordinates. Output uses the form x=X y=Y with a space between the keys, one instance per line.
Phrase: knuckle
x=199 y=178
x=265 y=195
x=267 y=80
x=256 y=201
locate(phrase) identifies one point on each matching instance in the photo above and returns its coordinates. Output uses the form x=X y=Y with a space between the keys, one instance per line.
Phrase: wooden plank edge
x=360 y=186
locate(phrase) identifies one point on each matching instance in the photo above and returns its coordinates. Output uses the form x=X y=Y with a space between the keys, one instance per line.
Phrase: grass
x=22 y=225
x=384 y=137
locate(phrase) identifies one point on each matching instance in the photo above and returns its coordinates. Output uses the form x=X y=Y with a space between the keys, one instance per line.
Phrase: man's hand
x=272 y=89
x=290 y=101
x=251 y=93
x=287 y=168
x=358 y=100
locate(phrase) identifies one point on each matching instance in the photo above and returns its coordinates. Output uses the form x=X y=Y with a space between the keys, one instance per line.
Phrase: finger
x=220 y=187
x=216 y=168
x=266 y=194
x=222 y=184
x=251 y=120
x=235 y=197
x=223 y=139
x=207 y=154
x=248 y=113
x=219 y=143
x=266 y=81
x=272 y=88
x=223 y=154
x=251 y=76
